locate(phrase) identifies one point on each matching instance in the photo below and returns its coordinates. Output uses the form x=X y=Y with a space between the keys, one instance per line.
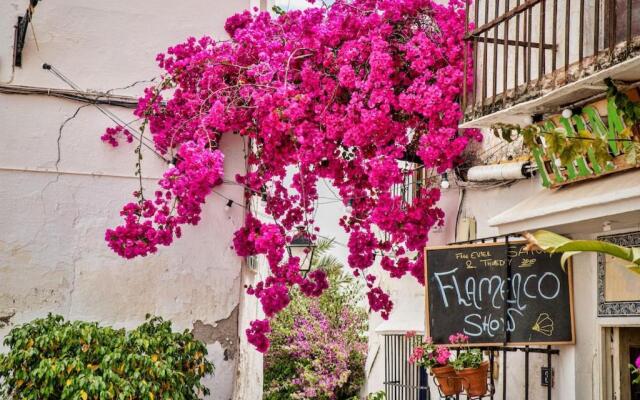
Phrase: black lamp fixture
x=302 y=246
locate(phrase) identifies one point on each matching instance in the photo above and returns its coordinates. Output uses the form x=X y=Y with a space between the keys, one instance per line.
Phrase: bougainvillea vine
x=336 y=93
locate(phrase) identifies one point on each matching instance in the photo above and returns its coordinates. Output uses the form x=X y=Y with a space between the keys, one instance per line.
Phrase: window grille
x=402 y=380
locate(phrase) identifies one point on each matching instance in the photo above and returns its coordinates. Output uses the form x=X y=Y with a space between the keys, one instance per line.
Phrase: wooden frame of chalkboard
x=569 y=271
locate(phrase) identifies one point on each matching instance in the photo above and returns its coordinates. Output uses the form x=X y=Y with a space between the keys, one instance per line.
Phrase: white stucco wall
x=56 y=204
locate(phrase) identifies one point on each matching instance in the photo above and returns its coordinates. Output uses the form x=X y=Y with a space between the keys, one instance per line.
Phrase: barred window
x=402 y=380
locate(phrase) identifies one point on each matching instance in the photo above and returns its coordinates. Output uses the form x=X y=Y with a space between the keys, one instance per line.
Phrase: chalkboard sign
x=498 y=295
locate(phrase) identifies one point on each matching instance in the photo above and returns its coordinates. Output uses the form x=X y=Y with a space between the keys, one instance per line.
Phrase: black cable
x=106 y=113
x=462 y=193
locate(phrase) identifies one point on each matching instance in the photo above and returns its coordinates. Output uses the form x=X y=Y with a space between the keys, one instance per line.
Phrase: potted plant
x=469 y=366
x=437 y=360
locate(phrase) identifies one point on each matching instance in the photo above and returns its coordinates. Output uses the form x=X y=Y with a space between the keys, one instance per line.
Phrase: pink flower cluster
x=416 y=355
x=458 y=338
x=429 y=355
x=442 y=355
x=148 y=224
x=257 y=334
x=379 y=301
x=256 y=237
x=111 y=135
x=336 y=93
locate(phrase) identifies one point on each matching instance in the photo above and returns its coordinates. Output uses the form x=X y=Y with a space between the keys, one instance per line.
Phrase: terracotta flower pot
x=474 y=380
x=447 y=380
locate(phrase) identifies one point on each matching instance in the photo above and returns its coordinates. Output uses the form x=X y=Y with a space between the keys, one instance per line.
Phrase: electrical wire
x=229 y=199
x=94 y=101
x=107 y=98
x=503 y=145
x=83 y=96
x=216 y=192
x=105 y=112
x=99 y=175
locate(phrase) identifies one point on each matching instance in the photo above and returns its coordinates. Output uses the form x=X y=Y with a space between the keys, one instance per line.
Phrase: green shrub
x=380 y=395
x=50 y=358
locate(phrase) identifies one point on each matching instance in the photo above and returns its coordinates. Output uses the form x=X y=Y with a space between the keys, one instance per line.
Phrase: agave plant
x=554 y=243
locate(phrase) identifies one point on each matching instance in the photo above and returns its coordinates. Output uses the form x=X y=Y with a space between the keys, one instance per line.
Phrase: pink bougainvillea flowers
x=334 y=93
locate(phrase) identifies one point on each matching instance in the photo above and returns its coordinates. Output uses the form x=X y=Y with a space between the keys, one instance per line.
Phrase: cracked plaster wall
x=61 y=187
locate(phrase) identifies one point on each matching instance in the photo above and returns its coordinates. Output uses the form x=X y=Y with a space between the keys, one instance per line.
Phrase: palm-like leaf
x=554 y=243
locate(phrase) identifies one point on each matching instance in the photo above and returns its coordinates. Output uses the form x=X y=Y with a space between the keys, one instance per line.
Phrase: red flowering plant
x=429 y=355
x=468 y=357
x=336 y=93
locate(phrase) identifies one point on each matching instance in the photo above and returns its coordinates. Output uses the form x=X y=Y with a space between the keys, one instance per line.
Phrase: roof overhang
x=578 y=208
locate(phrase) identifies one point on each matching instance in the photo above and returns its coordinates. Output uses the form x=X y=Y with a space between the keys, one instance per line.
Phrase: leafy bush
x=50 y=358
x=318 y=346
x=380 y=395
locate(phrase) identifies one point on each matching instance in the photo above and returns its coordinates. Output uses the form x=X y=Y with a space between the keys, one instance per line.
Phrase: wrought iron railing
x=522 y=49
x=405 y=381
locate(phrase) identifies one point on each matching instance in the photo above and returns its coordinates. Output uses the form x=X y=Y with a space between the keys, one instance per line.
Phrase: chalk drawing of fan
x=544 y=325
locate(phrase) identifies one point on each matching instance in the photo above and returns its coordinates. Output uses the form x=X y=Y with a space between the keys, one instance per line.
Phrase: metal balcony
x=539 y=56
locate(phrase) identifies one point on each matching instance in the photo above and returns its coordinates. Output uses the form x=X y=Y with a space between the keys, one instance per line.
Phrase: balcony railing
x=522 y=49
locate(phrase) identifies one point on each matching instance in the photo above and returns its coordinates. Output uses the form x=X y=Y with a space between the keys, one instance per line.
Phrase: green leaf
x=635 y=255
x=547 y=241
x=566 y=256
x=634 y=268
x=598 y=246
x=101 y=361
x=278 y=10
x=554 y=243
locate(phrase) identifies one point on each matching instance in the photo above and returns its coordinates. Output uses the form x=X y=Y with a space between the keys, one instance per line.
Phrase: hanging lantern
x=302 y=246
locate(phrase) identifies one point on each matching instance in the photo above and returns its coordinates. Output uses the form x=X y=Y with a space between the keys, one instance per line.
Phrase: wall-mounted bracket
x=21 y=33
x=546 y=376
